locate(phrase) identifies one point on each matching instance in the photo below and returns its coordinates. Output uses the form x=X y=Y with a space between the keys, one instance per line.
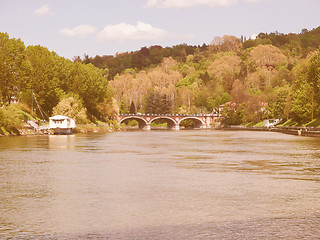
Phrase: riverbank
x=104 y=128
x=297 y=131
x=88 y=128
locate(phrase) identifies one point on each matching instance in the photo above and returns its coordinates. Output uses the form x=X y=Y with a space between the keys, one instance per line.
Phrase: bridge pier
x=148 y=127
x=177 y=127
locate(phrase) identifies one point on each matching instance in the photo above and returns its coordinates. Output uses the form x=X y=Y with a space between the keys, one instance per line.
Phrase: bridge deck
x=169 y=115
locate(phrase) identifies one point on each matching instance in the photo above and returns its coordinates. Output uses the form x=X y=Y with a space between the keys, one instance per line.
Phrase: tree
x=276 y=107
x=91 y=86
x=12 y=66
x=302 y=103
x=205 y=77
x=158 y=103
x=232 y=115
x=306 y=100
x=313 y=76
x=227 y=69
x=132 y=108
x=227 y=43
x=71 y=106
x=109 y=109
x=44 y=79
x=267 y=56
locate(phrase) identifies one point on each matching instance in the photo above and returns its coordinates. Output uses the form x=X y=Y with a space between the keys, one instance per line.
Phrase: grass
x=313 y=123
x=288 y=123
x=259 y=124
x=27 y=115
x=4 y=132
x=155 y=124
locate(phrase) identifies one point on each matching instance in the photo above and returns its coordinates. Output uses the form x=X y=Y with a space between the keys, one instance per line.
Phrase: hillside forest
x=275 y=75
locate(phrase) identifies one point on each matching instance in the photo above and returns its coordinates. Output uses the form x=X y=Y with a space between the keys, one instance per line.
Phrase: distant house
x=61 y=124
x=270 y=122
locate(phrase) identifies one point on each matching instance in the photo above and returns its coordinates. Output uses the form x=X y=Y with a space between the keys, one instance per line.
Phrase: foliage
x=273 y=76
x=40 y=78
x=132 y=108
x=233 y=116
x=158 y=103
x=71 y=106
x=11 y=119
x=306 y=100
x=141 y=59
x=12 y=66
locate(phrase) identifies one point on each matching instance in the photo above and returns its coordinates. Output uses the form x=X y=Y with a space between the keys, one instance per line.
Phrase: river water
x=160 y=185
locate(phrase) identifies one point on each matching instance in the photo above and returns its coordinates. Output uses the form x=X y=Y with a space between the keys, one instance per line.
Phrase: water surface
x=160 y=185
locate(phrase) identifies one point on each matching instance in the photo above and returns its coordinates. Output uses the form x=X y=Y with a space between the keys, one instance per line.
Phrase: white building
x=270 y=122
x=61 y=124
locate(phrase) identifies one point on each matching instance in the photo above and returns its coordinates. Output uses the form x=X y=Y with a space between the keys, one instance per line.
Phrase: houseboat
x=61 y=124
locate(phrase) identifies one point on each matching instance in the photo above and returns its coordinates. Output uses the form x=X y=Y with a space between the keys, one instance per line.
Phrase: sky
x=106 y=27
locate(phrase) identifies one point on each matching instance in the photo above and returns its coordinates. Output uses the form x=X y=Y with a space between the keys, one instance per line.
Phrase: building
x=61 y=124
x=270 y=122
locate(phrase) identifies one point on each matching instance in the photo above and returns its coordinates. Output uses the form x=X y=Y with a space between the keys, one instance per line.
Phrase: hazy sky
x=104 y=27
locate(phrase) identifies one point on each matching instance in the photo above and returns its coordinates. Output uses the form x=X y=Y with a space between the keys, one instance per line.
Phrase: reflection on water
x=160 y=185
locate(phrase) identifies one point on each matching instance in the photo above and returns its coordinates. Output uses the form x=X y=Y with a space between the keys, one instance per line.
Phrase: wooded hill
x=274 y=76
x=297 y=44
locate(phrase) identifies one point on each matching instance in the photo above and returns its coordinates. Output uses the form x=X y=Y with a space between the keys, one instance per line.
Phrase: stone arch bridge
x=173 y=120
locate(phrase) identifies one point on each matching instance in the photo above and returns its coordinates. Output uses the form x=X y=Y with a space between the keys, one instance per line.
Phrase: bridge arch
x=170 y=121
x=198 y=122
x=141 y=121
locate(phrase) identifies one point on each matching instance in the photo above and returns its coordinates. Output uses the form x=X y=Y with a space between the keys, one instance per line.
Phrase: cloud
x=189 y=3
x=127 y=32
x=79 y=31
x=44 y=11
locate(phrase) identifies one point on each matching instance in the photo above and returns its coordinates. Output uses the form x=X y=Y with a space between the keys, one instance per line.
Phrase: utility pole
x=312 y=105
x=31 y=102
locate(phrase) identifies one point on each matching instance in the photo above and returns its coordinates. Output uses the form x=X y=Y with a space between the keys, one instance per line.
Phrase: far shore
x=92 y=128
x=88 y=128
x=298 y=131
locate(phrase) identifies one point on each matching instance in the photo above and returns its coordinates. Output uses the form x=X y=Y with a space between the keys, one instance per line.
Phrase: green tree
x=276 y=107
x=232 y=115
x=221 y=99
x=90 y=84
x=12 y=65
x=71 y=106
x=133 y=108
x=43 y=79
x=306 y=99
x=302 y=103
x=158 y=103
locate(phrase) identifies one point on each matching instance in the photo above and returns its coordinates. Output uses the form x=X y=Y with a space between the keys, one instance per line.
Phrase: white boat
x=61 y=124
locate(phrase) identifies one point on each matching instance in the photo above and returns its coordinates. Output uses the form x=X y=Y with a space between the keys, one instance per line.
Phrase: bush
x=11 y=119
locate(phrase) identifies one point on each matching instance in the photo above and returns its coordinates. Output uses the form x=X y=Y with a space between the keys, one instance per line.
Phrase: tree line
x=273 y=76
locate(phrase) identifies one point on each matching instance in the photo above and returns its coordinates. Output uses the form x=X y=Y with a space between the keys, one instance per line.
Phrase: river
x=160 y=185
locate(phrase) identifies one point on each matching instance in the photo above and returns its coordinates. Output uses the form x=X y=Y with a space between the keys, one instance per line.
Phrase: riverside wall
x=298 y=131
